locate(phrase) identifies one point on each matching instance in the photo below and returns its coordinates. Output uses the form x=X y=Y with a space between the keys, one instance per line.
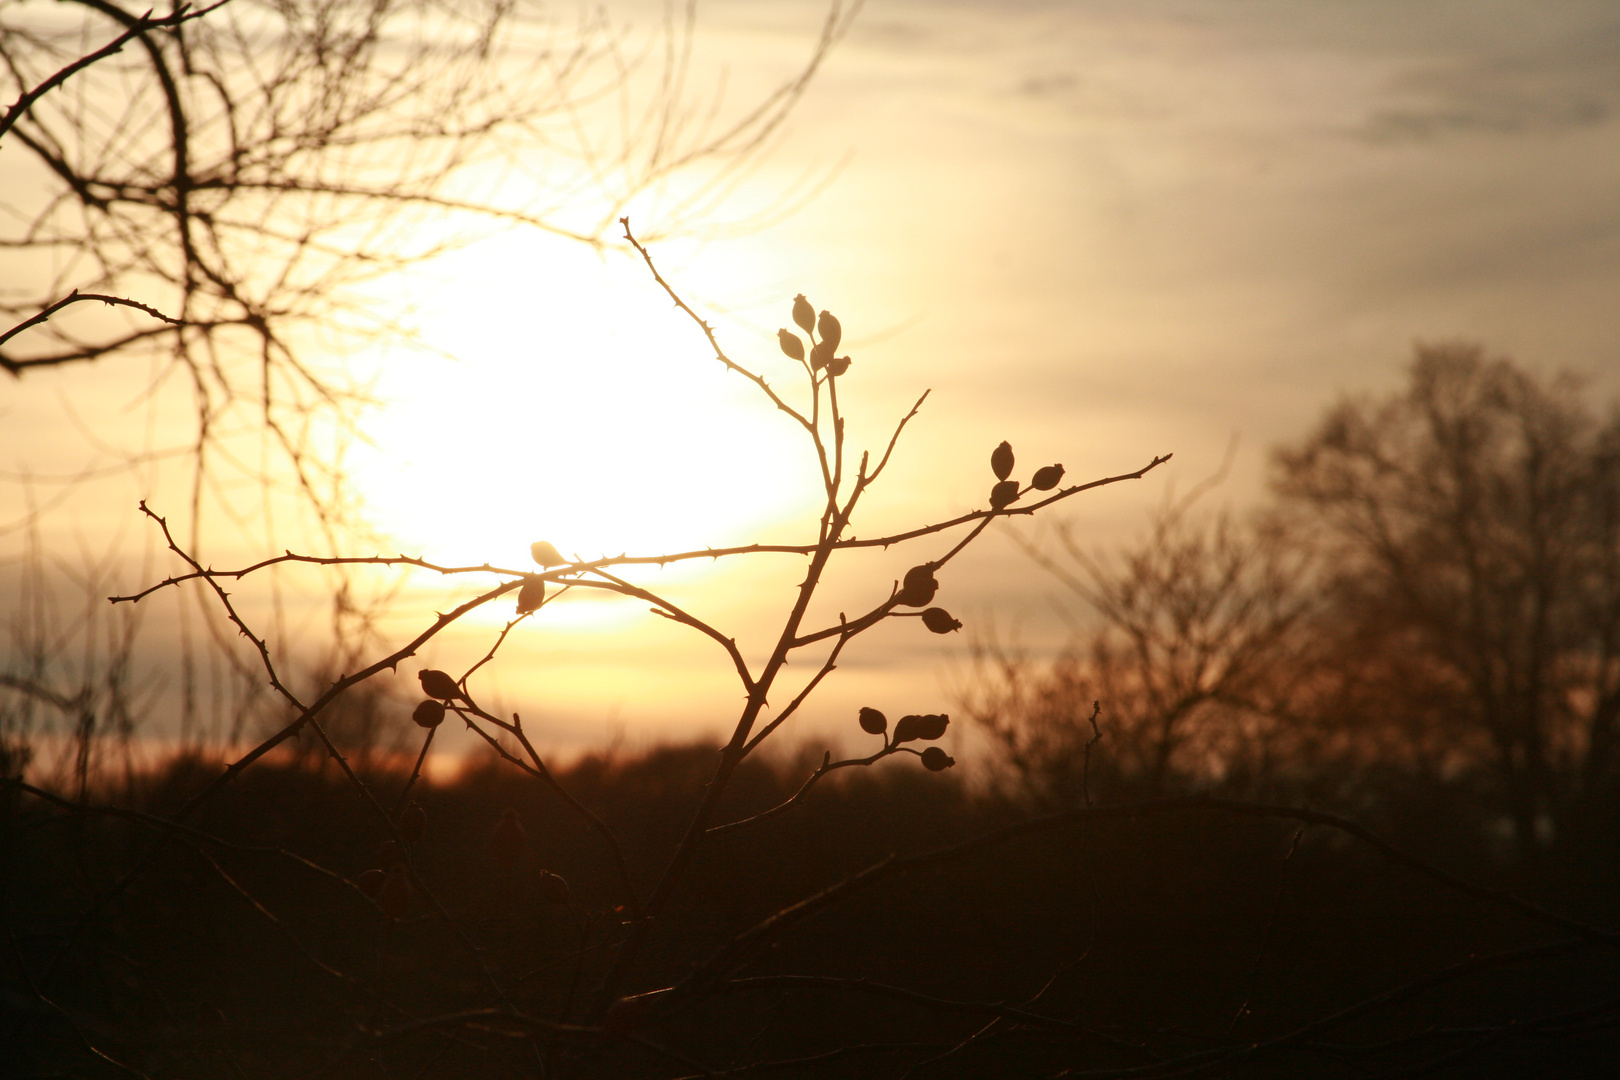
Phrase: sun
x=578 y=408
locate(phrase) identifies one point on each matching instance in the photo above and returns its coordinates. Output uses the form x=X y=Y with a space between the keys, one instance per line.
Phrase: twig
x=827 y=765
x=140 y=25
x=1085 y=762
x=399 y=804
x=74 y=297
x=730 y=954
x=708 y=332
x=1265 y=934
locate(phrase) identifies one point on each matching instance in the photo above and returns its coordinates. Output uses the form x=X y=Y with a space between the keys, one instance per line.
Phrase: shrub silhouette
x=696 y=913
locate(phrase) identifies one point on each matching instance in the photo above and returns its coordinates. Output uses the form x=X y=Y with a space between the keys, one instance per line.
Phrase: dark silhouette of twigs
x=136 y=26
x=835 y=519
x=536 y=767
x=754 y=938
x=841 y=496
x=16 y=366
x=260 y=170
x=757 y=685
x=828 y=765
x=306 y=717
x=197 y=840
x=1266 y=932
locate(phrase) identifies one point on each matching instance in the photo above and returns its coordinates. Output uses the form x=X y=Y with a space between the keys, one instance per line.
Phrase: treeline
x=1426 y=614
x=959 y=940
x=1328 y=791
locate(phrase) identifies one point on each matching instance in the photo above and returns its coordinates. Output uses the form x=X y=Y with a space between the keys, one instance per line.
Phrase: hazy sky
x=1102 y=231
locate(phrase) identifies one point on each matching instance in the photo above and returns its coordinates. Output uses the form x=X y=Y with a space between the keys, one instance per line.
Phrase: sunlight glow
x=578 y=408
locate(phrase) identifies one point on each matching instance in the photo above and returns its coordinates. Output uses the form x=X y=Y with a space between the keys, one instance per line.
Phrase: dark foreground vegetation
x=1330 y=792
x=1173 y=937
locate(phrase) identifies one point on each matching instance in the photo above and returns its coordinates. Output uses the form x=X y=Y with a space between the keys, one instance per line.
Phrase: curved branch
x=139 y=25
x=827 y=765
x=675 y=614
x=16 y=366
x=708 y=332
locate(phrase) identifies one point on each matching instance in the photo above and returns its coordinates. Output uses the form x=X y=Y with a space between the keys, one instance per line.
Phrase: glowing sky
x=1102 y=231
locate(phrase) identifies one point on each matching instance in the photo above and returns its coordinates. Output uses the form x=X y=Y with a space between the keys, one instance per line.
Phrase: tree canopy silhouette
x=1472 y=527
x=1434 y=591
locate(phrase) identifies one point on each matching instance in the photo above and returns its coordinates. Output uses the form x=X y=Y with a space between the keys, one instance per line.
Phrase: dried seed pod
x=544 y=553
x=1001 y=461
x=438 y=684
x=939 y=620
x=837 y=366
x=554 y=887
x=831 y=333
x=509 y=841
x=790 y=343
x=1047 y=477
x=532 y=595
x=429 y=714
x=1004 y=494
x=390 y=853
x=931 y=726
x=412 y=823
x=936 y=760
x=906 y=729
x=918 y=586
x=820 y=356
x=873 y=722
x=394 y=895
x=803 y=314
x=370 y=882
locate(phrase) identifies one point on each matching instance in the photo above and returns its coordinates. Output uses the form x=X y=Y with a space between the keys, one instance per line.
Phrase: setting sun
x=815 y=539
x=575 y=406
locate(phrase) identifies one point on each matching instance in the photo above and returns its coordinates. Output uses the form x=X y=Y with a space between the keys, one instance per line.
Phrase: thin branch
x=827 y=766
x=708 y=332
x=140 y=25
x=676 y=614
x=827 y=667
x=74 y=297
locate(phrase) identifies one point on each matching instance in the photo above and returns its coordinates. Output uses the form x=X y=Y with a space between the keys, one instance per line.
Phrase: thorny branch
x=719 y=973
x=16 y=366
x=140 y=25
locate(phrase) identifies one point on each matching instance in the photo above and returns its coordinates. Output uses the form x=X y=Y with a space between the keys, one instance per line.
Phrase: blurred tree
x=242 y=183
x=1435 y=595
x=1472 y=524
x=1195 y=662
x=243 y=172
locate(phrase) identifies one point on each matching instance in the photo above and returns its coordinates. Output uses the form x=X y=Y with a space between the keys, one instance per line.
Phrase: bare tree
x=1190 y=647
x=241 y=173
x=227 y=195
x=1435 y=595
x=1471 y=523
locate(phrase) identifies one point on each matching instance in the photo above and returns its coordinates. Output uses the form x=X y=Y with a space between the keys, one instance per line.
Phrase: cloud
x=1571 y=84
